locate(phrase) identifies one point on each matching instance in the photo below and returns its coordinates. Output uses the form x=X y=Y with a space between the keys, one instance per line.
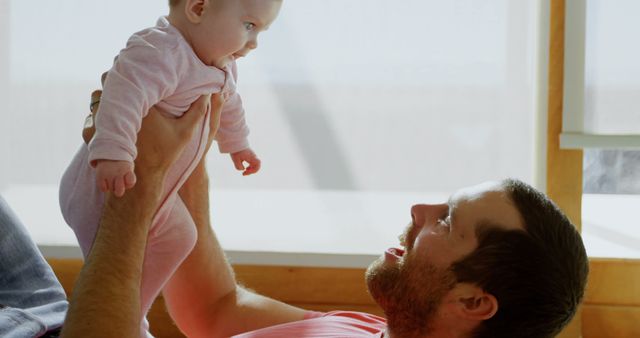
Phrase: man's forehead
x=475 y=192
x=486 y=202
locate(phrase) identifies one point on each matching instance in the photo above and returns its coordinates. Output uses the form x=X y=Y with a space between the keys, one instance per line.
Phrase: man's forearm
x=203 y=296
x=195 y=195
x=106 y=298
x=205 y=276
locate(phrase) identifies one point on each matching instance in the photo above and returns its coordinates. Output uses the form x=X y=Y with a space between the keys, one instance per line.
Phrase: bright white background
x=349 y=101
x=347 y=95
x=612 y=75
x=612 y=106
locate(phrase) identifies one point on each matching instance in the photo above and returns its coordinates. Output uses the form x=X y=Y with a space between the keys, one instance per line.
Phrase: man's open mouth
x=394 y=253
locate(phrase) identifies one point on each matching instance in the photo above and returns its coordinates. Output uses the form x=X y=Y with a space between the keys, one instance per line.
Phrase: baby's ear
x=194 y=10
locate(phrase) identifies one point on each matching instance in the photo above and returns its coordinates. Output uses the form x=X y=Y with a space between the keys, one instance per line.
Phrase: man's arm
x=202 y=296
x=106 y=298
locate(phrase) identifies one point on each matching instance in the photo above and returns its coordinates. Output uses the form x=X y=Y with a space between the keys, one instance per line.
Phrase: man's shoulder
x=356 y=316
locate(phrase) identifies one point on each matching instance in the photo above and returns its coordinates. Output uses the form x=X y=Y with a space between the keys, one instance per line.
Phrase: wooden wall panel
x=611 y=307
x=67 y=271
x=614 y=281
x=306 y=285
x=564 y=167
x=606 y=321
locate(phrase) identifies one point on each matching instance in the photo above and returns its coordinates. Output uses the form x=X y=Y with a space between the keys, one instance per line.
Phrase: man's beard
x=409 y=293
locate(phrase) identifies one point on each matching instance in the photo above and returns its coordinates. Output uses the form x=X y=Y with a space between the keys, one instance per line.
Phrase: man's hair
x=538 y=275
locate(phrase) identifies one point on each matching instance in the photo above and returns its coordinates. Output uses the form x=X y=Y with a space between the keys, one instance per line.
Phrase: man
x=496 y=260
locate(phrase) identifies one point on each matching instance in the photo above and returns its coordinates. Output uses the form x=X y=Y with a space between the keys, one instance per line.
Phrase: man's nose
x=417 y=214
x=420 y=213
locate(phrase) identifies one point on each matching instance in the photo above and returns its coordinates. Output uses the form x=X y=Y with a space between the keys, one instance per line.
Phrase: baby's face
x=229 y=29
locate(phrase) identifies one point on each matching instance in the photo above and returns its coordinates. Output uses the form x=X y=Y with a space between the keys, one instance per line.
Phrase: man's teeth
x=397 y=252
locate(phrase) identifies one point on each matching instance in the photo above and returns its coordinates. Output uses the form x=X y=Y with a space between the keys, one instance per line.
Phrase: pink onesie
x=157 y=67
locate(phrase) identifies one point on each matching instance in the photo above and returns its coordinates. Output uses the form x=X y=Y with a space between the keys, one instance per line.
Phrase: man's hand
x=164 y=131
x=217 y=102
x=246 y=156
x=158 y=124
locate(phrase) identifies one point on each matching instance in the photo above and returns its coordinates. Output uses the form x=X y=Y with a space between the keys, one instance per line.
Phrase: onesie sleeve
x=232 y=135
x=142 y=75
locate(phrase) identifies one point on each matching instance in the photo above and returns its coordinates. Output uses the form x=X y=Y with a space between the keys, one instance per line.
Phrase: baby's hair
x=173 y=3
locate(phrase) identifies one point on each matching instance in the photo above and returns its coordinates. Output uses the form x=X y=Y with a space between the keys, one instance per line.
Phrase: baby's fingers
x=253 y=168
x=118 y=186
x=238 y=163
x=129 y=180
x=104 y=185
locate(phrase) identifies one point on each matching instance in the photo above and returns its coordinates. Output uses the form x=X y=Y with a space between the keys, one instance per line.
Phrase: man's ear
x=194 y=10
x=473 y=303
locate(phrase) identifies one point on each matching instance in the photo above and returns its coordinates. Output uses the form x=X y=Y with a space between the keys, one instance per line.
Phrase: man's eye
x=249 y=26
x=445 y=221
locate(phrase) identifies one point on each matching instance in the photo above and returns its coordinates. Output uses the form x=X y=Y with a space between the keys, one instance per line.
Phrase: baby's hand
x=115 y=176
x=247 y=155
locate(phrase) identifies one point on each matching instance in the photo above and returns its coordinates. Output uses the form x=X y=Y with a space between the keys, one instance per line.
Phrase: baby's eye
x=249 y=26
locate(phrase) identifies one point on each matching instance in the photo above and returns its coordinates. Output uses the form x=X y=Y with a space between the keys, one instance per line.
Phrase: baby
x=187 y=54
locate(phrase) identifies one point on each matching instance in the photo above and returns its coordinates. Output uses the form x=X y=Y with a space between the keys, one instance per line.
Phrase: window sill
x=317 y=228
x=583 y=141
x=261 y=227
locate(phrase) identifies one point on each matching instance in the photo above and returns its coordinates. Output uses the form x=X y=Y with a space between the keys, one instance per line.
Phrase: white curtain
x=612 y=106
x=612 y=67
x=411 y=95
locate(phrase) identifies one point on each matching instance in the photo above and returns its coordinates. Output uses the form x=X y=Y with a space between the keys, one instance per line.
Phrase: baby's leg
x=170 y=241
x=80 y=200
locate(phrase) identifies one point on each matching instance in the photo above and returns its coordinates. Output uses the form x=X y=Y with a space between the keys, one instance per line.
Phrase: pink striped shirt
x=325 y=325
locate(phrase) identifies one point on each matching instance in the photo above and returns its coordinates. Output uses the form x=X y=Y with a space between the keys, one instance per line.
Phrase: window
x=370 y=103
x=606 y=107
x=612 y=73
x=417 y=96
